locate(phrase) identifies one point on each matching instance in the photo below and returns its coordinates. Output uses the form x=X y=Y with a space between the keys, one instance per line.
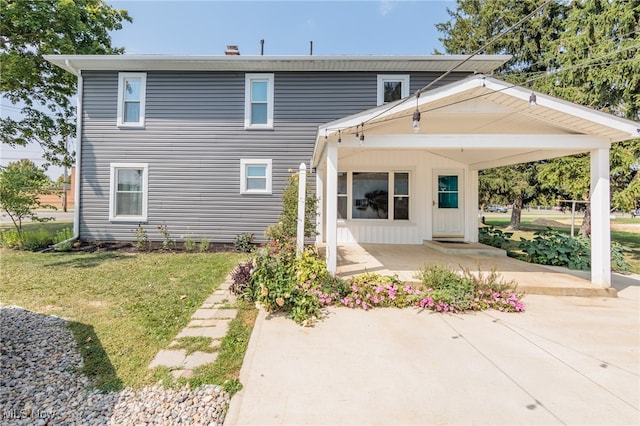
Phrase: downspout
x=76 y=195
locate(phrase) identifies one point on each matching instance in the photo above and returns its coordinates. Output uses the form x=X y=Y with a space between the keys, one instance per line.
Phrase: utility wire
x=475 y=53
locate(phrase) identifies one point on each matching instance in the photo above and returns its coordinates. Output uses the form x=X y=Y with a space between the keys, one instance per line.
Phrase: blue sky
x=335 y=27
x=206 y=27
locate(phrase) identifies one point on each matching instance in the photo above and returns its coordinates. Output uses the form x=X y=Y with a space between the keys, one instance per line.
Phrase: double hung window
x=132 y=89
x=255 y=176
x=258 y=113
x=128 y=192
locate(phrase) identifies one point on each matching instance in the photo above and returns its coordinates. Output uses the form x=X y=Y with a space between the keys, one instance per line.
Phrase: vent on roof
x=232 y=51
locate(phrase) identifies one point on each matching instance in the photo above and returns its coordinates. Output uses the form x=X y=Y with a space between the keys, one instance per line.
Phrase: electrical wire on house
x=539 y=75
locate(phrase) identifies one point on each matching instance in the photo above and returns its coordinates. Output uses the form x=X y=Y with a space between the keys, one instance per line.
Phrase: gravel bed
x=40 y=383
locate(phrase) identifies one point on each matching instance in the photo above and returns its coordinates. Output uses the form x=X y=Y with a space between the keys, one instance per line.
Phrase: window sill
x=128 y=219
x=130 y=126
x=255 y=193
x=259 y=127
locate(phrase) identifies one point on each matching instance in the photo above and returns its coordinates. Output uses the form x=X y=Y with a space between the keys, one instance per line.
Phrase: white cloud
x=385 y=7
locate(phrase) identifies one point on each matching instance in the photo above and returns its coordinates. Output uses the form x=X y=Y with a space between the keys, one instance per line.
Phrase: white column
x=302 y=198
x=331 y=212
x=600 y=227
x=472 y=206
x=320 y=197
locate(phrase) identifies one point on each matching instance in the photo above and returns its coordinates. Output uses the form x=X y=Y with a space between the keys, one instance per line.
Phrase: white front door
x=448 y=204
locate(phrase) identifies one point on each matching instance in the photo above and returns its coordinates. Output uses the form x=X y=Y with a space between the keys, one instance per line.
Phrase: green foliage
x=193 y=344
x=287 y=227
x=142 y=238
x=448 y=287
x=168 y=243
x=492 y=236
x=189 y=244
x=37 y=239
x=551 y=247
x=31 y=29
x=618 y=261
x=21 y=184
x=203 y=245
x=61 y=239
x=244 y=242
x=241 y=285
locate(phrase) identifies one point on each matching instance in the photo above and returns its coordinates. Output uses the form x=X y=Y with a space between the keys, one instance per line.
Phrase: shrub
x=142 y=238
x=36 y=240
x=244 y=242
x=11 y=239
x=372 y=290
x=203 y=245
x=189 y=244
x=287 y=227
x=447 y=288
x=493 y=237
x=168 y=243
x=618 y=262
x=241 y=285
x=551 y=247
x=62 y=236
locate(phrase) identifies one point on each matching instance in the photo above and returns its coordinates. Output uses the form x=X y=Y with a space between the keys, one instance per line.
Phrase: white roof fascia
x=565 y=107
x=389 y=63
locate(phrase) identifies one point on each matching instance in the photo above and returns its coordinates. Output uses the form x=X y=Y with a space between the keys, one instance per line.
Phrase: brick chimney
x=232 y=51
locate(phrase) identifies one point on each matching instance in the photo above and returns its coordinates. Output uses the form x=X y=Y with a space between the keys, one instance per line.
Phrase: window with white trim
x=373 y=195
x=132 y=89
x=392 y=87
x=128 y=191
x=255 y=176
x=258 y=101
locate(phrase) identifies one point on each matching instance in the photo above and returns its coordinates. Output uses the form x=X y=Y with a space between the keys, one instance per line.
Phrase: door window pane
x=448 y=192
x=370 y=192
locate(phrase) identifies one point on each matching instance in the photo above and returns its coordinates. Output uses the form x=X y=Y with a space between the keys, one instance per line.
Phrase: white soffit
x=439 y=63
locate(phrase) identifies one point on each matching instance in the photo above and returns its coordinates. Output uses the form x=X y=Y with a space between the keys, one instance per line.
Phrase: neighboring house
x=61 y=193
x=205 y=144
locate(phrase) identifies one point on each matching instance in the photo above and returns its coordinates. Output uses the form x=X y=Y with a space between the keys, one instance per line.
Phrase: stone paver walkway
x=211 y=321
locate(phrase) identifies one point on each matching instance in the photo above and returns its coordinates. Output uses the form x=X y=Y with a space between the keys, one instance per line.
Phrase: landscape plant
x=21 y=184
x=494 y=237
x=244 y=242
x=142 y=238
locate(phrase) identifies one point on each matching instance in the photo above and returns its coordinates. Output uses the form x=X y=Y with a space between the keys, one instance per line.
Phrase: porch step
x=469 y=249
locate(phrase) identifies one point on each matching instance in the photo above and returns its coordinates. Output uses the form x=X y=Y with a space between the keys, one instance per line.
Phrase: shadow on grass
x=96 y=364
x=85 y=260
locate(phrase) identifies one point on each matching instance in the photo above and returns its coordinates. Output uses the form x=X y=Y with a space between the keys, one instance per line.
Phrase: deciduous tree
x=30 y=29
x=21 y=184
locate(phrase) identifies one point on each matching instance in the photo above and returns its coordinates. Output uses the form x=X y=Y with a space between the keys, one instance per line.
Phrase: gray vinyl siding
x=193 y=141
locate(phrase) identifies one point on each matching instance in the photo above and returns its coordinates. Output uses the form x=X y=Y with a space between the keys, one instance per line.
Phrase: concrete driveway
x=566 y=360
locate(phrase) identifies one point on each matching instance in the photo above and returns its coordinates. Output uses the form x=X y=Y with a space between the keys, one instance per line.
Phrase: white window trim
x=122 y=77
x=391 y=195
x=112 y=192
x=244 y=162
x=249 y=77
x=403 y=78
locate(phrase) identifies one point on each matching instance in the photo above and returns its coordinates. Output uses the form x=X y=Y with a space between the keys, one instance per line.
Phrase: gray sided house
x=205 y=144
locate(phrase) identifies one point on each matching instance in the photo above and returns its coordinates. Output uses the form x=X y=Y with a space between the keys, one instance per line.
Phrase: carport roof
x=487 y=109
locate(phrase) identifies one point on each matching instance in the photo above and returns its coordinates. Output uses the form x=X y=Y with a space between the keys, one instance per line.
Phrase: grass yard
x=124 y=307
x=630 y=240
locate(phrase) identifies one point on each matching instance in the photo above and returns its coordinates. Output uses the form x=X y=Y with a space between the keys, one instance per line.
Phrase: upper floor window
x=128 y=192
x=392 y=87
x=258 y=102
x=132 y=88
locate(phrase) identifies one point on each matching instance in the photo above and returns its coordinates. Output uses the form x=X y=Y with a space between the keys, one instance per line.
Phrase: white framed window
x=392 y=87
x=374 y=195
x=258 y=101
x=132 y=90
x=255 y=176
x=128 y=194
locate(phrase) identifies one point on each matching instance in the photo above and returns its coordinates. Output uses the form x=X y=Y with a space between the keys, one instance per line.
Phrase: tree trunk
x=516 y=213
x=585 y=228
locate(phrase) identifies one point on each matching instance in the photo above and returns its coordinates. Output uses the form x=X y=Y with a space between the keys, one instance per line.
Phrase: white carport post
x=331 y=203
x=600 y=227
x=320 y=212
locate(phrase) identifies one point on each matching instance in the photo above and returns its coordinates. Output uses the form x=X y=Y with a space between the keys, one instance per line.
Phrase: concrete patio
x=404 y=260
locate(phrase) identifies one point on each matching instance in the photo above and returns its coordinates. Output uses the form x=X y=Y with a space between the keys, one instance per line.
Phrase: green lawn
x=124 y=307
x=630 y=240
